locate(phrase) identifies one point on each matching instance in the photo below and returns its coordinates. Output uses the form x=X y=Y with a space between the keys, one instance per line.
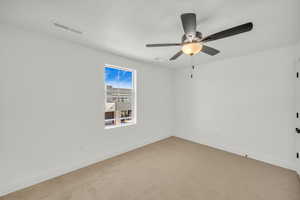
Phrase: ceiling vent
x=67 y=28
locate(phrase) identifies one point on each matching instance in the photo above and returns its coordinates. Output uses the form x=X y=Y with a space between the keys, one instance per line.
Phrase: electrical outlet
x=82 y=148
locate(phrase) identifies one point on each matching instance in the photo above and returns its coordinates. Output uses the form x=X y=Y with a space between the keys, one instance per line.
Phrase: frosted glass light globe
x=192 y=48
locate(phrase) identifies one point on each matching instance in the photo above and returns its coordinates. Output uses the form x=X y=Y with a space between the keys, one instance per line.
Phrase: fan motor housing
x=197 y=37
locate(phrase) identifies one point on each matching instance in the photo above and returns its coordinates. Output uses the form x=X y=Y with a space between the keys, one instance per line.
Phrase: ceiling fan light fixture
x=192 y=41
x=192 y=48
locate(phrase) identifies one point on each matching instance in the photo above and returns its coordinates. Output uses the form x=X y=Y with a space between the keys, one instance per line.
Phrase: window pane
x=119 y=96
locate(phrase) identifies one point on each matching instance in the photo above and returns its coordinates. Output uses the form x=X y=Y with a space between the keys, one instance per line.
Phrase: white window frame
x=134 y=112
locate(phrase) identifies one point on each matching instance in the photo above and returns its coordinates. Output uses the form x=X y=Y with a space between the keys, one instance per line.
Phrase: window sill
x=121 y=125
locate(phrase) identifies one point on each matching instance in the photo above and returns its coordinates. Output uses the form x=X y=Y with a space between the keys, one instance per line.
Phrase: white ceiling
x=123 y=27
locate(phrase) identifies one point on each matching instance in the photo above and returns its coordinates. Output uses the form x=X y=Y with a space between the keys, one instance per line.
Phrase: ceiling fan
x=192 y=41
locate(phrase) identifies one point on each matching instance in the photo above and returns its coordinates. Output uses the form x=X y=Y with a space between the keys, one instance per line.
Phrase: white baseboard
x=254 y=155
x=61 y=171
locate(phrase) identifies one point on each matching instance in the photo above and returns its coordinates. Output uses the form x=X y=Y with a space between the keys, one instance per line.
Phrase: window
x=120 y=102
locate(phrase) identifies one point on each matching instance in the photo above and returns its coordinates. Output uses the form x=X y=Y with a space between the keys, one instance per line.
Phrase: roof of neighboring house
x=110 y=107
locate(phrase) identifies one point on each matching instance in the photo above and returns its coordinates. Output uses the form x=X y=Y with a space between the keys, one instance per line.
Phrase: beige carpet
x=171 y=169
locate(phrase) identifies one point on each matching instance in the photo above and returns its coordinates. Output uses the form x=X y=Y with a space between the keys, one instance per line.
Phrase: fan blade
x=229 y=32
x=189 y=24
x=179 y=53
x=209 y=50
x=163 y=45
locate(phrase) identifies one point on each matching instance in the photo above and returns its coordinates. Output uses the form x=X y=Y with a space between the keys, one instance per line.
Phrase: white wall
x=52 y=102
x=244 y=105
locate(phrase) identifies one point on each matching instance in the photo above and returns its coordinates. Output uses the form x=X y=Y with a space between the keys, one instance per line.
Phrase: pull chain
x=192 y=68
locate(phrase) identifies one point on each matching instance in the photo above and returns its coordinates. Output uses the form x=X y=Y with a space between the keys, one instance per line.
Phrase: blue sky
x=118 y=78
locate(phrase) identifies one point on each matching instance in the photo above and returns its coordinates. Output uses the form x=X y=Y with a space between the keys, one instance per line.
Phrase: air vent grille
x=67 y=28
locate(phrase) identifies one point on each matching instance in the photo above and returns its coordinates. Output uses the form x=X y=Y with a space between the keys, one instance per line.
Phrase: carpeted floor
x=171 y=169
